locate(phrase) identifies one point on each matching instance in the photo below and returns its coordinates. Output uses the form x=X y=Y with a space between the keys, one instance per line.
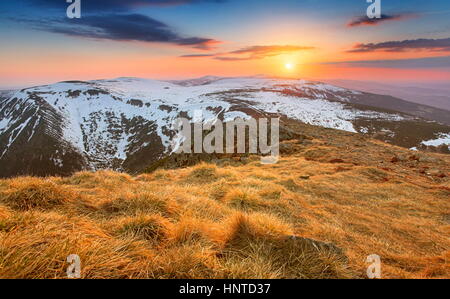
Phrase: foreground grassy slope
x=237 y=219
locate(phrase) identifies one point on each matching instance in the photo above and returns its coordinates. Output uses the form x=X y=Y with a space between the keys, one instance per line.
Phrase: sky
x=175 y=39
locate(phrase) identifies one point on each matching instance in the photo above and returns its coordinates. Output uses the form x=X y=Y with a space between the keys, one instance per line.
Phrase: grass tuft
x=33 y=193
x=127 y=203
x=243 y=199
x=204 y=173
x=152 y=228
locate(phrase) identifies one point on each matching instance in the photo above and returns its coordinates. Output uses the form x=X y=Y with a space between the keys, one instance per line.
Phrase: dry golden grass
x=35 y=245
x=34 y=193
x=152 y=228
x=234 y=221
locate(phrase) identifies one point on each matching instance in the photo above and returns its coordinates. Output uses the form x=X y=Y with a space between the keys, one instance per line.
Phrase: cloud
x=365 y=21
x=198 y=55
x=234 y=58
x=438 y=45
x=413 y=63
x=258 y=52
x=254 y=52
x=121 y=27
x=115 y=5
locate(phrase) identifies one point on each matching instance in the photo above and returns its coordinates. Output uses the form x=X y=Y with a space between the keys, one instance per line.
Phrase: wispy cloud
x=365 y=21
x=115 y=5
x=120 y=27
x=438 y=45
x=253 y=52
x=198 y=55
x=413 y=63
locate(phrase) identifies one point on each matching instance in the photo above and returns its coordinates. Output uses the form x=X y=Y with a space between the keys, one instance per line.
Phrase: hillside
x=333 y=199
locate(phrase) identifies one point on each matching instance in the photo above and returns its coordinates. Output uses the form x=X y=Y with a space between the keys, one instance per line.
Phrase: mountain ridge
x=125 y=124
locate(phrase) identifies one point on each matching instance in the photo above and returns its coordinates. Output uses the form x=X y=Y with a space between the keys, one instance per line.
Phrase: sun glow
x=289 y=66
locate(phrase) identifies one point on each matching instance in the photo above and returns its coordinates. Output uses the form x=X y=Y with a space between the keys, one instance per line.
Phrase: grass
x=243 y=199
x=33 y=193
x=132 y=203
x=152 y=228
x=204 y=173
x=240 y=221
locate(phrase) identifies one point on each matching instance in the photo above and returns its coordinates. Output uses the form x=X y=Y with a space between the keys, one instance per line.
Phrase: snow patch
x=442 y=139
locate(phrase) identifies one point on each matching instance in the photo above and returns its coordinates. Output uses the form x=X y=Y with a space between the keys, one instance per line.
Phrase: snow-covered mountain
x=126 y=123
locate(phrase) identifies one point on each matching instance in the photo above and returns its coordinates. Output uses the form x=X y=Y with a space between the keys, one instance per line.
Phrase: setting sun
x=289 y=66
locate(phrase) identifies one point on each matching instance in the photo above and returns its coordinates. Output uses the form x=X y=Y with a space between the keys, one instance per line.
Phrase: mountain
x=125 y=124
x=434 y=95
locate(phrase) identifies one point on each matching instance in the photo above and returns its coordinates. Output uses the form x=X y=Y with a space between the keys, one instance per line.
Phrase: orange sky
x=31 y=56
x=36 y=69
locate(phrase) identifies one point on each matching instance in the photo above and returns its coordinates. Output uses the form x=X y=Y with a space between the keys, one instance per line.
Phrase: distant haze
x=431 y=94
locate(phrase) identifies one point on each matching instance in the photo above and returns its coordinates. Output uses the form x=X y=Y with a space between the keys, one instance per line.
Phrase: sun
x=289 y=66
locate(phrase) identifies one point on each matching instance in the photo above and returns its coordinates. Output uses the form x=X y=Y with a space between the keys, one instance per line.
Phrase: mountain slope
x=126 y=123
x=333 y=199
